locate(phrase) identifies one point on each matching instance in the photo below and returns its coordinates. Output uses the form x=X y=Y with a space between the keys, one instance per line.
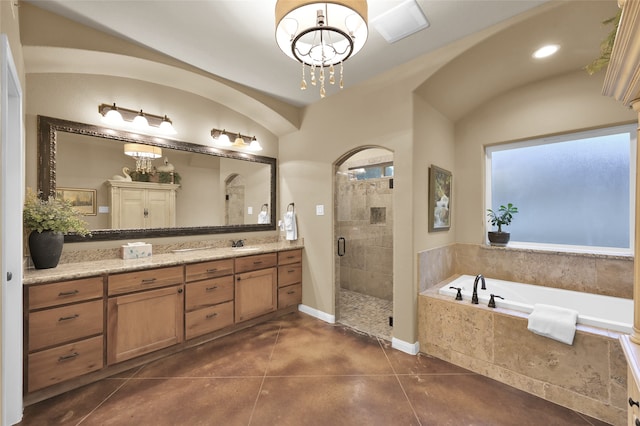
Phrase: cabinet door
x=132 y=205
x=255 y=293
x=143 y=322
x=159 y=211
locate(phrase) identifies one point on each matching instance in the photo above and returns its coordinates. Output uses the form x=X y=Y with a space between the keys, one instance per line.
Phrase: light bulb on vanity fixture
x=240 y=142
x=137 y=119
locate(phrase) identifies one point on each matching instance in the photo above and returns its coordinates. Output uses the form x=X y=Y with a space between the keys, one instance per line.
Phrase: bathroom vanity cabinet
x=255 y=290
x=141 y=205
x=81 y=330
x=208 y=297
x=145 y=312
x=64 y=331
x=289 y=278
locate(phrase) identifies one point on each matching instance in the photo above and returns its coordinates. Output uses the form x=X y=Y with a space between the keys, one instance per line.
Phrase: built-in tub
x=611 y=313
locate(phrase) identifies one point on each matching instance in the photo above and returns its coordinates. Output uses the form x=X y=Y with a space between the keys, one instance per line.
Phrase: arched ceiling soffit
x=503 y=61
x=44 y=59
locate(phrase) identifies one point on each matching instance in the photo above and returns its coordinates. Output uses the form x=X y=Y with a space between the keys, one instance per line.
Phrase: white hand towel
x=553 y=322
x=263 y=217
x=290 y=226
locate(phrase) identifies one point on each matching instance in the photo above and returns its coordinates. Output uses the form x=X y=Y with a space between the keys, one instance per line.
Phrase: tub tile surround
x=589 y=376
x=591 y=273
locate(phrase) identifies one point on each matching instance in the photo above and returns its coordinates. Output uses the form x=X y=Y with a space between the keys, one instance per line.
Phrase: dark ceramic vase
x=499 y=239
x=45 y=248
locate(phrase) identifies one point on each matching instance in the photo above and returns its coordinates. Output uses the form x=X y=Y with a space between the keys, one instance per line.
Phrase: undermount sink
x=245 y=248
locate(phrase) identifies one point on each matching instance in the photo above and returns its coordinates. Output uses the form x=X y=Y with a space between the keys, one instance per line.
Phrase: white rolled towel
x=290 y=226
x=553 y=322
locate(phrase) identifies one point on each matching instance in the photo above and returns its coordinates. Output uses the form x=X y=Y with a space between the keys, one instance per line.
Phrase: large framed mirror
x=191 y=189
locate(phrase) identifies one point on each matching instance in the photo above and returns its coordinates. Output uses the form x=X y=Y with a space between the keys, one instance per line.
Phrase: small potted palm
x=47 y=221
x=502 y=217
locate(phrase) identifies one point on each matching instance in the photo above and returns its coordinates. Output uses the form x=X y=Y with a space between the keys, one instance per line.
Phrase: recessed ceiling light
x=546 y=51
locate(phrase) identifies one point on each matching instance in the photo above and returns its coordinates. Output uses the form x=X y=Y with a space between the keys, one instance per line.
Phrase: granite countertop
x=68 y=271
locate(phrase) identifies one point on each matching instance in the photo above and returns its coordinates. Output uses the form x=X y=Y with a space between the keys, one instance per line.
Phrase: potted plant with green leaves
x=47 y=221
x=502 y=217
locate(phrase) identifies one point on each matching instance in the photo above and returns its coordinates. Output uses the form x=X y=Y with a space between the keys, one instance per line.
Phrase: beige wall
x=563 y=104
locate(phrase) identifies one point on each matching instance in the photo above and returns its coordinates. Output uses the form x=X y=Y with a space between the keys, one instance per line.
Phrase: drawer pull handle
x=632 y=403
x=291 y=257
x=215 y=287
x=212 y=270
x=68 y=293
x=74 y=316
x=148 y=280
x=291 y=292
x=257 y=262
x=213 y=315
x=291 y=271
x=68 y=357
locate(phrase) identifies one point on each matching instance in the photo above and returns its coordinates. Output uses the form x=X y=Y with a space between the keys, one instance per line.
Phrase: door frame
x=11 y=247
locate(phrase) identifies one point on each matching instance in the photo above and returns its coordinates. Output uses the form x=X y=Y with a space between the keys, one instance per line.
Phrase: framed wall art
x=439 y=199
x=83 y=200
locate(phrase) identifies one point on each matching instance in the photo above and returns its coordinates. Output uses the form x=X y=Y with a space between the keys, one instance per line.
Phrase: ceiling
x=235 y=39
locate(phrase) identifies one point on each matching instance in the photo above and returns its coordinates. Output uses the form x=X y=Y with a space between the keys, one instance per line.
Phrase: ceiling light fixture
x=249 y=143
x=546 y=51
x=143 y=154
x=140 y=120
x=321 y=35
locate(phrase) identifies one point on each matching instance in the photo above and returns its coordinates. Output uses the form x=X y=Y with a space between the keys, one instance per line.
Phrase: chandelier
x=321 y=35
x=143 y=155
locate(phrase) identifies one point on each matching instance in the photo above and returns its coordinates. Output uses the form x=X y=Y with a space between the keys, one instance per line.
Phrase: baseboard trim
x=406 y=347
x=331 y=319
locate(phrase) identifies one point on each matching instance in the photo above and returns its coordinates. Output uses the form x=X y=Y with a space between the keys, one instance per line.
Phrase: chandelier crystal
x=321 y=35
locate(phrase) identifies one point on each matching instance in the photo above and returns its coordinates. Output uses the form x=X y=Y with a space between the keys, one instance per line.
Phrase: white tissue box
x=135 y=251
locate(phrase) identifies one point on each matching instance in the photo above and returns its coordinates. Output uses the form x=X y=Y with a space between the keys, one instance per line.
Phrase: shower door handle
x=342 y=246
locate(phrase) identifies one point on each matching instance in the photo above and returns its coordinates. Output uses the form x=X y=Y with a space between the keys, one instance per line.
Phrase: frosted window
x=570 y=191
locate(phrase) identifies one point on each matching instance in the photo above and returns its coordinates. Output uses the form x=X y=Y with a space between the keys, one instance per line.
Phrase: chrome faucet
x=474 y=297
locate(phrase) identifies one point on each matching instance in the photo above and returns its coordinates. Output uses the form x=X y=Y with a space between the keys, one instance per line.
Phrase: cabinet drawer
x=208 y=319
x=44 y=296
x=144 y=280
x=65 y=362
x=291 y=295
x=208 y=292
x=289 y=274
x=213 y=269
x=289 y=256
x=59 y=325
x=258 y=261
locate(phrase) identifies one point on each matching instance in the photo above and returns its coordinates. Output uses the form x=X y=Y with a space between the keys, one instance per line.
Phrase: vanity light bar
x=223 y=138
x=113 y=114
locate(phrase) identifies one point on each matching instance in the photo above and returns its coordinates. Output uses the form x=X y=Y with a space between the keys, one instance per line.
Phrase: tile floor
x=297 y=370
x=365 y=313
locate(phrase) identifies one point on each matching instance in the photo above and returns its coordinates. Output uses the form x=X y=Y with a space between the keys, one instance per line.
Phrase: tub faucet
x=474 y=297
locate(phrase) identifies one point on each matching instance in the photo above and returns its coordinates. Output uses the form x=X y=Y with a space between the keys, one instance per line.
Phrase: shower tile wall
x=365 y=220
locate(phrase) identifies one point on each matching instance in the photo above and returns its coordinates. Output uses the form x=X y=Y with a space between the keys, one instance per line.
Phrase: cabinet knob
x=632 y=403
x=179 y=290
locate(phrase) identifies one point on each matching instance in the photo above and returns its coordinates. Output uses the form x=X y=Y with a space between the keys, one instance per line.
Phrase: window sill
x=607 y=252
